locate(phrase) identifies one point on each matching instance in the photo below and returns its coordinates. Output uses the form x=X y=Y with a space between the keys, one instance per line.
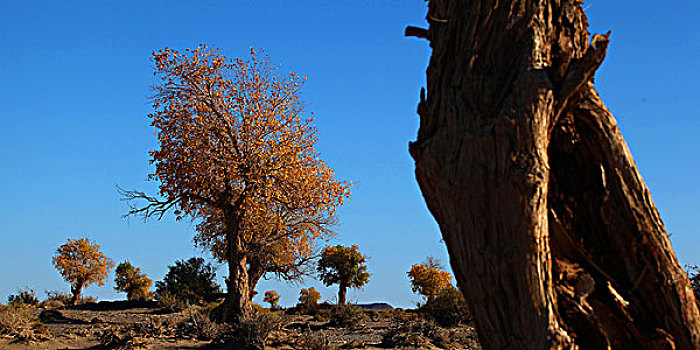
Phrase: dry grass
x=17 y=323
x=314 y=341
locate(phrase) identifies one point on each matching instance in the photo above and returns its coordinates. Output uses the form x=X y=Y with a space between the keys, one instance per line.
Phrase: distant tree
x=308 y=299
x=237 y=152
x=344 y=266
x=81 y=263
x=429 y=279
x=272 y=298
x=189 y=281
x=130 y=280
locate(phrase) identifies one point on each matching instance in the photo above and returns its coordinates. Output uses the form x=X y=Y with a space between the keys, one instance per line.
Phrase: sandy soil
x=150 y=328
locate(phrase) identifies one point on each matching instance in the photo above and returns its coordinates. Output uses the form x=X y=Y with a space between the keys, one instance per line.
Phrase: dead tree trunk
x=552 y=234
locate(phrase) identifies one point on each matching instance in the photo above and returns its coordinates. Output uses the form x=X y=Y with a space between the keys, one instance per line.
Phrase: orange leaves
x=81 y=262
x=272 y=297
x=130 y=280
x=236 y=129
x=428 y=279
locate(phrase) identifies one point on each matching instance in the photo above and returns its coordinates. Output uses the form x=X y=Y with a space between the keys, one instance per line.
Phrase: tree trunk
x=342 y=291
x=552 y=234
x=255 y=272
x=76 y=289
x=238 y=302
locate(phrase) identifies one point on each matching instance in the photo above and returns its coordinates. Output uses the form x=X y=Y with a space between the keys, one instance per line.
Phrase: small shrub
x=257 y=308
x=55 y=295
x=314 y=341
x=157 y=327
x=448 y=308
x=416 y=334
x=251 y=332
x=52 y=304
x=120 y=338
x=346 y=316
x=322 y=312
x=198 y=325
x=17 y=323
x=308 y=300
x=88 y=299
x=65 y=298
x=169 y=303
x=24 y=297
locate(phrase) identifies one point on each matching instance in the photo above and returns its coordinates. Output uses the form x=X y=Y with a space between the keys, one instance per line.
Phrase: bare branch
x=154 y=207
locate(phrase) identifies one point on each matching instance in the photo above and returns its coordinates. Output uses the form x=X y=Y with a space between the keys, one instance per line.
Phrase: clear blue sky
x=74 y=81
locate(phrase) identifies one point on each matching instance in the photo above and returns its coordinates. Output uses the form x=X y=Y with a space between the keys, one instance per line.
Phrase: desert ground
x=124 y=325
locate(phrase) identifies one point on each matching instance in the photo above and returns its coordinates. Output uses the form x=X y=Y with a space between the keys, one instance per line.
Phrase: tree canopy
x=81 y=263
x=344 y=266
x=237 y=154
x=429 y=279
x=131 y=281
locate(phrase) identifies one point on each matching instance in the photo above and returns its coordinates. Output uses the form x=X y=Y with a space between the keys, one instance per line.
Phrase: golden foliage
x=309 y=297
x=81 y=263
x=135 y=284
x=237 y=151
x=428 y=279
x=272 y=298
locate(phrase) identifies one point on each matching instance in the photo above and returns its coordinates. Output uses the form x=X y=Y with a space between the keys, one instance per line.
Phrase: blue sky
x=75 y=79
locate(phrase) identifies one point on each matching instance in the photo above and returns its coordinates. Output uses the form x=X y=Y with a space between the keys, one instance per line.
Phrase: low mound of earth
x=124 y=325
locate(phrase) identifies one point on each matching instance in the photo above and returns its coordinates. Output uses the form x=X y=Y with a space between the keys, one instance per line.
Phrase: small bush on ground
x=120 y=338
x=448 y=308
x=55 y=298
x=24 y=297
x=198 y=325
x=56 y=295
x=169 y=303
x=416 y=333
x=251 y=332
x=314 y=341
x=346 y=316
x=16 y=322
x=86 y=300
x=52 y=304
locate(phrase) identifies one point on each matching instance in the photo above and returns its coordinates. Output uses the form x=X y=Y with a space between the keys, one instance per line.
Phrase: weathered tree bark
x=552 y=234
x=342 y=292
x=255 y=272
x=238 y=302
x=76 y=289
